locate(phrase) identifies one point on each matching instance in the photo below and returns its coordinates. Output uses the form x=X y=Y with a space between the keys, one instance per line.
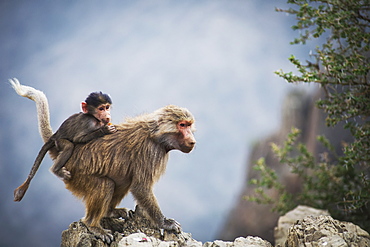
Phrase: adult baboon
x=130 y=160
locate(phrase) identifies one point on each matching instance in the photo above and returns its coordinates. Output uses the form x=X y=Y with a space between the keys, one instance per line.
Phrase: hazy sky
x=215 y=58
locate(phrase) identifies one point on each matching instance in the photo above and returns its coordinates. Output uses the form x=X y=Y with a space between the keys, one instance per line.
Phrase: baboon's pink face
x=186 y=140
x=102 y=112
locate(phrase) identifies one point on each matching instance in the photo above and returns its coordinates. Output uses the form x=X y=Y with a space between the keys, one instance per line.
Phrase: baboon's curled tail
x=42 y=106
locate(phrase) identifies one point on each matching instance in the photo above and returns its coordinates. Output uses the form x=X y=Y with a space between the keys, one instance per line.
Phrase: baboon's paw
x=171 y=225
x=100 y=233
x=123 y=213
x=65 y=174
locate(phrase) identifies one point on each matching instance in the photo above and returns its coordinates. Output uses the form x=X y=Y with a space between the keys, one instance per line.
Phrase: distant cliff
x=248 y=218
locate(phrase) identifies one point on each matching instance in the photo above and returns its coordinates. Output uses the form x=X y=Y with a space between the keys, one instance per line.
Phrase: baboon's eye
x=104 y=107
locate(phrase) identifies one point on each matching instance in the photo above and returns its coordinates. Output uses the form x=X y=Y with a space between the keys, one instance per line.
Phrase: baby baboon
x=78 y=128
x=92 y=122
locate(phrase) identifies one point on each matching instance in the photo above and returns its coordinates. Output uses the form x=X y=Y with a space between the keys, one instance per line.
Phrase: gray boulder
x=326 y=231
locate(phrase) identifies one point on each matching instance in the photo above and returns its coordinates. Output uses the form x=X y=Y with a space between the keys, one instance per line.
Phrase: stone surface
x=135 y=232
x=240 y=242
x=142 y=240
x=78 y=235
x=322 y=230
x=287 y=220
x=138 y=231
x=295 y=229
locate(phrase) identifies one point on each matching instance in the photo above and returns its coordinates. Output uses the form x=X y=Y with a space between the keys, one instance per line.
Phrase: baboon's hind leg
x=125 y=213
x=97 y=201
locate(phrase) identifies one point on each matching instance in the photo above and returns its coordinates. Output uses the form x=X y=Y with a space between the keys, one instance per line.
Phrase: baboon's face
x=102 y=112
x=186 y=140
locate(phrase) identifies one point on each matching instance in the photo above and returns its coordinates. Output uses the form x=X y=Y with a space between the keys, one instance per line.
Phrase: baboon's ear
x=84 y=107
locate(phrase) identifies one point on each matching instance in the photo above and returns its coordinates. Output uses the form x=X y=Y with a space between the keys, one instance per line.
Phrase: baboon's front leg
x=148 y=202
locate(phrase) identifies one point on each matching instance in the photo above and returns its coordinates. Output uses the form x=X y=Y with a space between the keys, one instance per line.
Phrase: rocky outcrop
x=325 y=231
x=306 y=226
x=286 y=221
x=248 y=218
x=79 y=235
x=301 y=227
x=139 y=232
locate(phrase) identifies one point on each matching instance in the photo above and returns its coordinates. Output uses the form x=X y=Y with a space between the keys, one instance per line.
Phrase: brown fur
x=130 y=160
x=78 y=128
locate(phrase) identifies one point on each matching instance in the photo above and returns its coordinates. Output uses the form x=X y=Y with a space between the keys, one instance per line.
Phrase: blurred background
x=215 y=58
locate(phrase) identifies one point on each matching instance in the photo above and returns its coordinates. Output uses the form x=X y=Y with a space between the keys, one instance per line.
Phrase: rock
x=240 y=242
x=126 y=233
x=294 y=229
x=218 y=243
x=141 y=240
x=287 y=220
x=140 y=232
x=251 y=242
x=326 y=231
x=78 y=235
